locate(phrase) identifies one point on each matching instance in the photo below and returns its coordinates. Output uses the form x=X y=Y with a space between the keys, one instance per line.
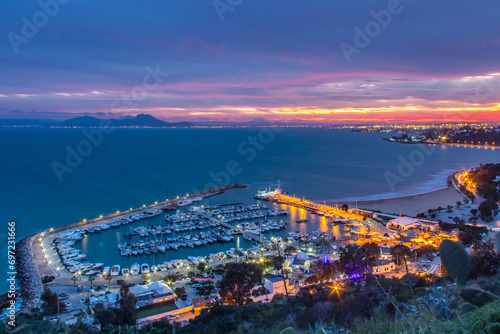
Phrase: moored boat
x=115 y=270
x=134 y=270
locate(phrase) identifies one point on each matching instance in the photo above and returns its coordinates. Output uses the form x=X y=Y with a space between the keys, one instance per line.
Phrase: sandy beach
x=413 y=204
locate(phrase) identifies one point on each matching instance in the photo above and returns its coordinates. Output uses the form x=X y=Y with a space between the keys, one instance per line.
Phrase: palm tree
x=223 y=257
x=74 y=279
x=458 y=204
x=91 y=279
x=109 y=278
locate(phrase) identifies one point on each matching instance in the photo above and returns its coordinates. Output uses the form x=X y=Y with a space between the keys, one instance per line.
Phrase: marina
x=178 y=239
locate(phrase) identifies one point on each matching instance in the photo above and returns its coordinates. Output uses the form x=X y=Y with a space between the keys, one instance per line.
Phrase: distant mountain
x=142 y=120
x=84 y=121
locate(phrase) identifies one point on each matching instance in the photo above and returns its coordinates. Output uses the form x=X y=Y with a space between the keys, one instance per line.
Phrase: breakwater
x=28 y=276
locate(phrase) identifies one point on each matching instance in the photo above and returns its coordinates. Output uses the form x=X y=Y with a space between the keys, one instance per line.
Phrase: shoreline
x=392 y=197
x=414 y=204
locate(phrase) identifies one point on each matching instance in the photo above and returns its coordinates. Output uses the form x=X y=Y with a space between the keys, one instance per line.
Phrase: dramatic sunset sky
x=432 y=60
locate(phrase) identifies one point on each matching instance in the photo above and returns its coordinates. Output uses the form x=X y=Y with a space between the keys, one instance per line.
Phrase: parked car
x=63 y=296
x=184 y=296
x=79 y=288
x=172 y=316
x=67 y=304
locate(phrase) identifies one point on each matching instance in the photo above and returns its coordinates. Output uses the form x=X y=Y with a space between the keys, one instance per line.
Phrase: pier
x=313 y=206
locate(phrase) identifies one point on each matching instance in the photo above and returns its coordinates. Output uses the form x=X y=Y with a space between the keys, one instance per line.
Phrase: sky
x=326 y=61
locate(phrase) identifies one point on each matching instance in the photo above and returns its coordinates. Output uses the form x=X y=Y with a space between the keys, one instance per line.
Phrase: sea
x=51 y=177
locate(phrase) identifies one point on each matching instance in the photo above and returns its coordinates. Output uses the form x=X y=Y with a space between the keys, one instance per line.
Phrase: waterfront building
x=152 y=294
x=403 y=223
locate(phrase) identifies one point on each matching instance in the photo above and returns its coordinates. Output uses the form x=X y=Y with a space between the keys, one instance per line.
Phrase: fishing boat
x=125 y=271
x=106 y=270
x=115 y=270
x=134 y=270
x=154 y=268
x=145 y=268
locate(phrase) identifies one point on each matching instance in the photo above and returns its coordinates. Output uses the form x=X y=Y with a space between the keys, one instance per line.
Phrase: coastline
x=413 y=204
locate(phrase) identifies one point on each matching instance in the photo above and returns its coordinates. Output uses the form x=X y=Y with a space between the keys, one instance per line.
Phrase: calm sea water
x=132 y=167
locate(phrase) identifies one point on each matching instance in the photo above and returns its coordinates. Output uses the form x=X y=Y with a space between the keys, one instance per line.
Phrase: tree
x=345 y=207
x=91 y=279
x=126 y=314
x=74 y=279
x=124 y=289
x=370 y=253
x=399 y=254
x=488 y=209
x=474 y=212
x=325 y=270
x=276 y=261
x=311 y=279
x=290 y=249
x=201 y=267
x=127 y=311
x=109 y=278
x=180 y=290
x=51 y=304
x=237 y=282
x=349 y=262
x=104 y=315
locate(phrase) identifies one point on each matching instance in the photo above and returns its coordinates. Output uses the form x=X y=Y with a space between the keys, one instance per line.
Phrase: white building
x=275 y=284
x=403 y=223
x=383 y=266
x=153 y=293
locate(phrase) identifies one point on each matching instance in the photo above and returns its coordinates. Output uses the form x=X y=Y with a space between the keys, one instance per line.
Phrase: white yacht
x=106 y=270
x=115 y=270
x=145 y=268
x=134 y=270
x=125 y=271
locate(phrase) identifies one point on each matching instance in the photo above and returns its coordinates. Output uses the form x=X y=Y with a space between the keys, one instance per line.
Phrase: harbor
x=177 y=235
x=149 y=243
